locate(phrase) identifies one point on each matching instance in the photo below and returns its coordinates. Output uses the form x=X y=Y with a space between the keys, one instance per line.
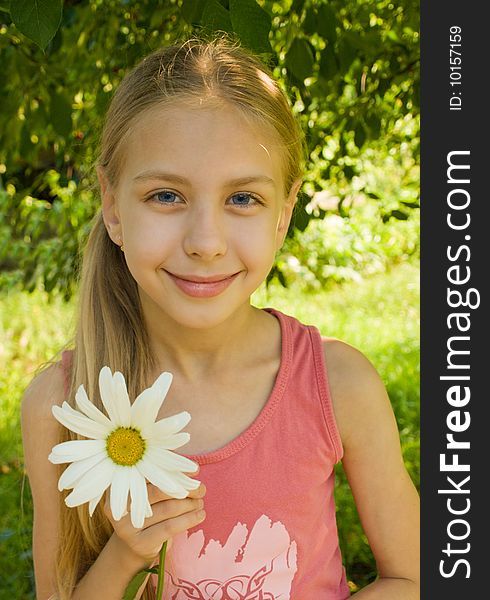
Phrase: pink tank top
x=270 y=531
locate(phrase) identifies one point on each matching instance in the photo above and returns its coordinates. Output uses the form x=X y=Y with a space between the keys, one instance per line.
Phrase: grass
x=31 y=331
x=379 y=316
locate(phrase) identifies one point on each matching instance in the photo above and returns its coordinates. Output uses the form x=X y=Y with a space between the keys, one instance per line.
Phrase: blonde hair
x=111 y=329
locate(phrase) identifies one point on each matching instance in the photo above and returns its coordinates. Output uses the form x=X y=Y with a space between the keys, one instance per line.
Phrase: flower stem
x=161 y=571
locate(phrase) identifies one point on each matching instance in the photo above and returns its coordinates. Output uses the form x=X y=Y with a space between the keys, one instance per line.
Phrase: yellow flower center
x=125 y=446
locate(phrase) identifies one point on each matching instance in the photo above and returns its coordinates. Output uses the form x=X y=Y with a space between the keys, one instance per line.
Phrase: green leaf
x=301 y=218
x=159 y=15
x=297 y=6
x=192 y=11
x=60 y=114
x=399 y=214
x=134 y=585
x=310 y=21
x=359 y=135
x=252 y=24
x=373 y=123
x=37 y=19
x=384 y=85
x=25 y=144
x=276 y=272
x=416 y=94
x=348 y=172
x=215 y=17
x=410 y=204
x=363 y=42
x=326 y=23
x=328 y=63
x=299 y=59
x=347 y=54
x=282 y=279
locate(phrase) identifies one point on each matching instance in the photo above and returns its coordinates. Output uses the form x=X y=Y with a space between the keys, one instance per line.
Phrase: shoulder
x=385 y=497
x=45 y=390
x=40 y=430
x=358 y=393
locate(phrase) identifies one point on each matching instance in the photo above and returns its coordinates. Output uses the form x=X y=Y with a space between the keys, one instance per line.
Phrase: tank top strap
x=308 y=378
x=321 y=372
x=66 y=364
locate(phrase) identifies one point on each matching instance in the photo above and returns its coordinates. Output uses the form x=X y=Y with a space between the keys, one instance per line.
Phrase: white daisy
x=124 y=449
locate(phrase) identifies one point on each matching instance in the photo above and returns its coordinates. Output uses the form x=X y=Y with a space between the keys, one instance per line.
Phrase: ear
x=110 y=212
x=286 y=213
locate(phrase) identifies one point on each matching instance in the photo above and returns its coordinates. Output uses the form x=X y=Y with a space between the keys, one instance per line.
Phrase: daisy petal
x=119 y=491
x=163 y=480
x=75 y=450
x=75 y=421
x=70 y=410
x=171 y=461
x=145 y=408
x=185 y=481
x=92 y=505
x=90 y=409
x=92 y=484
x=121 y=399
x=93 y=471
x=106 y=388
x=74 y=472
x=170 y=442
x=170 y=425
x=139 y=499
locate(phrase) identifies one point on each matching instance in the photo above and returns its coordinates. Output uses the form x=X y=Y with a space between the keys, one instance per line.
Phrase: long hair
x=111 y=329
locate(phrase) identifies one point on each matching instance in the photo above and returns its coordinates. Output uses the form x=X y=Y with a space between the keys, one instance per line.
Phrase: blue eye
x=165 y=197
x=245 y=199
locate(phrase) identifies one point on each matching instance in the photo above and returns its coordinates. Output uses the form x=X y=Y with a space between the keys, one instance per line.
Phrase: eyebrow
x=160 y=175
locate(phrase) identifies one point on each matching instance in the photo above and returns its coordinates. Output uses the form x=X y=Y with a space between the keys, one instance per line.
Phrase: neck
x=195 y=353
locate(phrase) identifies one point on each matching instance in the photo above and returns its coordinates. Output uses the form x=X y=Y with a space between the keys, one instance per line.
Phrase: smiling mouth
x=199 y=286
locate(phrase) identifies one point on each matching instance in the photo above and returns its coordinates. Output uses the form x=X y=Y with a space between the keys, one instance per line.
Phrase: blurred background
x=350 y=264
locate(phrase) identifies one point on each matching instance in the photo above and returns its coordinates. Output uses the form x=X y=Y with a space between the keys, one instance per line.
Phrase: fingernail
x=201 y=515
x=200 y=503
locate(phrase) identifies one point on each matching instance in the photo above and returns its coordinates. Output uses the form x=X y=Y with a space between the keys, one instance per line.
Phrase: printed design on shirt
x=255 y=565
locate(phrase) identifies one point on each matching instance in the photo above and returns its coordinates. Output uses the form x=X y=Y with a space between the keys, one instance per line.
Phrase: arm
x=385 y=496
x=111 y=572
x=39 y=435
x=128 y=550
x=40 y=432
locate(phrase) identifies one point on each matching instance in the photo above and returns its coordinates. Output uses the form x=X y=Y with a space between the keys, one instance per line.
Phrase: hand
x=170 y=517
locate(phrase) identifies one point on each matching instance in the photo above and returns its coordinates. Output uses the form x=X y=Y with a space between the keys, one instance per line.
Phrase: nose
x=205 y=235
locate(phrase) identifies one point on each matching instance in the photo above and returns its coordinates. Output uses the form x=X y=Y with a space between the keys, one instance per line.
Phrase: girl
x=199 y=170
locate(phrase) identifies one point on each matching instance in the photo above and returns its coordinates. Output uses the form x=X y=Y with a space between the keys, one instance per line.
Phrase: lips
x=199 y=286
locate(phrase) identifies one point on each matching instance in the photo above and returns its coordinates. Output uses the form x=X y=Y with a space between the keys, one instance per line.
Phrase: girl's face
x=200 y=197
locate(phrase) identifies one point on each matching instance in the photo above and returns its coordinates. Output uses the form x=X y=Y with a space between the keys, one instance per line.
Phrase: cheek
x=257 y=245
x=145 y=236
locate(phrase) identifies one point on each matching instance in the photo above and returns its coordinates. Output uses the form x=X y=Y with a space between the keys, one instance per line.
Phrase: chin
x=207 y=317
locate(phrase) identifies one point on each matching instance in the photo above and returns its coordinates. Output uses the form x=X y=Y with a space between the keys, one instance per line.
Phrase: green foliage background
x=349 y=67
x=351 y=70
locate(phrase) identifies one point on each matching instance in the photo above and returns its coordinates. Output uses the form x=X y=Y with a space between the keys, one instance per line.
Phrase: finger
x=199 y=493
x=156 y=495
x=169 y=509
x=160 y=532
x=107 y=506
x=106 y=499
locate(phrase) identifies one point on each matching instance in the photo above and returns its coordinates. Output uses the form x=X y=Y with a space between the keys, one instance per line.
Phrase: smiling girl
x=200 y=166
